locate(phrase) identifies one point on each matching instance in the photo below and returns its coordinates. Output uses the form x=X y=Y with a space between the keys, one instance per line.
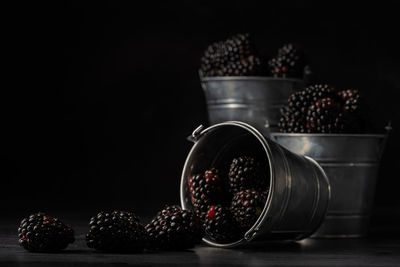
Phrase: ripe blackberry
x=250 y=65
x=232 y=57
x=174 y=229
x=353 y=111
x=118 y=231
x=220 y=225
x=43 y=233
x=289 y=62
x=246 y=172
x=294 y=116
x=169 y=209
x=324 y=116
x=205 y=190
x=247 y=206
x=322 y=109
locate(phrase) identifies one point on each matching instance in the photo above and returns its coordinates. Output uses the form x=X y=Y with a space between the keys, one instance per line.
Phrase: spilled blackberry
x=322 y=109
x=221 y=226
x=118 y=231
x=289 y=62
x=174 y=229
x=205 y=190
x=233 y=57
x=169 y=209
x=247 y=206
x=246 y=172
x=43 y=233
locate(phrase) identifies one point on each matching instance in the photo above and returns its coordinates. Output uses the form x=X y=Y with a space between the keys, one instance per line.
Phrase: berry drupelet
x=43 y=233
x=246 y=172
x=174 y=229
x=221 y=226
x=289 y=62
x=118 y=231
x=247 y=206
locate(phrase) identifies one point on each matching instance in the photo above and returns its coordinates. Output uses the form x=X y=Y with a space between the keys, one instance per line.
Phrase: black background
x=97 y=99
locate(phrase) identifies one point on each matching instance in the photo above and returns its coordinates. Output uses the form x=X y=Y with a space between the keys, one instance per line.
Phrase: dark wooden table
x=382 y=248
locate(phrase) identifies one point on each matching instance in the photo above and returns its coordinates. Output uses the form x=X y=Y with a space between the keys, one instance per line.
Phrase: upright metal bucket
x=299 y=189
x=254 y=100
x=351 y=162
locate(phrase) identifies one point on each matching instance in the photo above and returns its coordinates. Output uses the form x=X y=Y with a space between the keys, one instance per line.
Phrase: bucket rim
x=330 y=135
x=249 y=78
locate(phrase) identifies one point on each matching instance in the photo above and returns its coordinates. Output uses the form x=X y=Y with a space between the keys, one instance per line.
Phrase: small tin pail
x=299 y=190
x=351 y=162
x=254 y=100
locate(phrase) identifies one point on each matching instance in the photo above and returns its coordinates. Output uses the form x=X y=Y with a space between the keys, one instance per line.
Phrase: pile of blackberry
x=43 y=233
x=174 y=229
x=322 y=109
x=289 y=62
x=117 y=231
x=227 y=217
x=235 y=56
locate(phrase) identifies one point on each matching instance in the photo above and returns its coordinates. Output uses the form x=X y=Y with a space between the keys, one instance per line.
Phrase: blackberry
x=353 y=111
x=43 y=233
x=246 y=172
x=324 y=116
x=118 y=231
x=233 y=57
x=205 y=190
x=250 y=65
x=169 y=209
x=247 y=206
x=322 y=109
x=174 y=229
x=351 y=99
x=221 y=226
x=294 y=116
x=289 y=62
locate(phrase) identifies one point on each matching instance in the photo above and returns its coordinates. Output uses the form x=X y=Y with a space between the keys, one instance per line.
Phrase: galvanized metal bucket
x=299 y=189
x=351 y=162
x=254 y=100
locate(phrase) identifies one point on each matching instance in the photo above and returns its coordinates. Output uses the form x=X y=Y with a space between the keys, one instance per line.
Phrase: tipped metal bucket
x=351 y=162
x=299 y=189
x=254 y=100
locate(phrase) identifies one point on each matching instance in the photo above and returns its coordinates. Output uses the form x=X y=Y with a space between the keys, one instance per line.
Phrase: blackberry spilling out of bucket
x=247 y=206
x=43 y=233
x=117 y=231
x=246 y=172
x=289 y=62
x=220 y=225
x=174 y=229
x=323 y=109
x=205 y=189
x=235 y=56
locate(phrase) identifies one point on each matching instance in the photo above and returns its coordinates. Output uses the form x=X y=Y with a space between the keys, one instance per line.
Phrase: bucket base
x=350 y=226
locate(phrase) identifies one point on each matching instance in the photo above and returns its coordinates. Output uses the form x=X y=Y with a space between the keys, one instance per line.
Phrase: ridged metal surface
x=254 y=100
x=299 y=189
x=351 y=163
